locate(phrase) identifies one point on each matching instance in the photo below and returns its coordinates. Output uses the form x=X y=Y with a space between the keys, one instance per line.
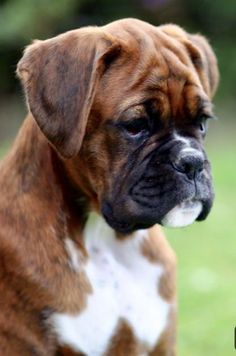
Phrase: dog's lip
x=189 y=204
x=183 y=214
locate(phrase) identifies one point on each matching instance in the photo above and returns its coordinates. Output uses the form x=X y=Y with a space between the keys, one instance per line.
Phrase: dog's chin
x=129 y=223
x=183 y=214
x=180 y=215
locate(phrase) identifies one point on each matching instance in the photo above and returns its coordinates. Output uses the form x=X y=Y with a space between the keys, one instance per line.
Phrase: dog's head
x=126 y=106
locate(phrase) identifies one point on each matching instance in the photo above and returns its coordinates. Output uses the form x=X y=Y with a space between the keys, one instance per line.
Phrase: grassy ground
x=207 y=263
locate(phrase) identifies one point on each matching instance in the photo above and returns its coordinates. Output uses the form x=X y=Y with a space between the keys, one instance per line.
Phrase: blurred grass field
x=207 y=262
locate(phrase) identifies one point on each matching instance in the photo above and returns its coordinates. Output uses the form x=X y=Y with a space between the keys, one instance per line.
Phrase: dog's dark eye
x=136 y=127
x=202 y=124
x=202 y=127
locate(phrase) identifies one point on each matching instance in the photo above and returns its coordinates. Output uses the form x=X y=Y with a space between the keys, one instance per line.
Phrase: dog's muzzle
x=172 y=187
x=191 y=164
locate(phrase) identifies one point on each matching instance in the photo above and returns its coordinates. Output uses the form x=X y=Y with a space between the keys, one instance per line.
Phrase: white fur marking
x=73 y=253
x=183 y=214
x=182 y=139
x=125 y=285
x=192 y=151
x=187 y=150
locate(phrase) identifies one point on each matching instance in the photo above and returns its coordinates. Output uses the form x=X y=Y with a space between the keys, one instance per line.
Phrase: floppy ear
x=207 y=66
x=60 y=76
x=201 y=54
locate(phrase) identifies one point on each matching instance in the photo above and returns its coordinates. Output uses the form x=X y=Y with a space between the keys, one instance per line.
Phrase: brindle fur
x=67 y=157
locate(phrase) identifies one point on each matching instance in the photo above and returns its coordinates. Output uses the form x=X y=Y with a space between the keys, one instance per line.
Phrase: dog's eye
x=202 y=124
x=202 y=127
x=137 y=127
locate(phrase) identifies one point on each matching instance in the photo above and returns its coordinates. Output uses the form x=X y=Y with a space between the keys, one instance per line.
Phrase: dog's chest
x=125 y=288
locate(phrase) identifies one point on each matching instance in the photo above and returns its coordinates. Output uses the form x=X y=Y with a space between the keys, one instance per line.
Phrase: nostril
x=187 y=167
x=190 y=165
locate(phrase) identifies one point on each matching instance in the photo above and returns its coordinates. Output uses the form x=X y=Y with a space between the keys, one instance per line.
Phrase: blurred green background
x=206 y=251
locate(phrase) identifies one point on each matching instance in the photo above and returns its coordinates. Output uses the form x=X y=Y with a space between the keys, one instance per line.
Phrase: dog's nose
x=190 y=165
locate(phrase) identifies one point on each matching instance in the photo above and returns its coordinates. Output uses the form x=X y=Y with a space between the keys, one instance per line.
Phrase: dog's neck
x=33 y=165
x=36 y=197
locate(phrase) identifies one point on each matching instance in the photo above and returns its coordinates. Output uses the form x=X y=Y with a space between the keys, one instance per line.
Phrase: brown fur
x=157 y=250
x=124 y=342
x=167 y=338
x=74 y=84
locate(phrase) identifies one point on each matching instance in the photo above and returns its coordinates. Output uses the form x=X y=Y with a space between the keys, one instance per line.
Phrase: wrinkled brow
x=203 y=107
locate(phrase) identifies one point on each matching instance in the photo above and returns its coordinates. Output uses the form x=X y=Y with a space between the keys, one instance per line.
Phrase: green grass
x=207 y=266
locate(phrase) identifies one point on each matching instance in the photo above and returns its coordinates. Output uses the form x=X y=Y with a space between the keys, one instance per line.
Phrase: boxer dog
x=112 y=146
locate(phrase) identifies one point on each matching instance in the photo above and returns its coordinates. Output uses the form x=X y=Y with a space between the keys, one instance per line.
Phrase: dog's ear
x=201 y=54
x=206 y=65
x=60 y=76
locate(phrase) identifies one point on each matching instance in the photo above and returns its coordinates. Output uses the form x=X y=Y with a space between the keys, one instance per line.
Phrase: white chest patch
x=125 y=286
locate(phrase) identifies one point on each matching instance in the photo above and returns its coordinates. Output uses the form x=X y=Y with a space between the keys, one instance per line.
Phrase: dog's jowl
x=111 y=147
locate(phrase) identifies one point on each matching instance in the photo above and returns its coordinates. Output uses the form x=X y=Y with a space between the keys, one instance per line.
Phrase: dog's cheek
x=106 y=153
x=94 y=156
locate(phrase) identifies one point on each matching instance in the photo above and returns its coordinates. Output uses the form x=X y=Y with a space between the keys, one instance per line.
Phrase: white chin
x=182 y=214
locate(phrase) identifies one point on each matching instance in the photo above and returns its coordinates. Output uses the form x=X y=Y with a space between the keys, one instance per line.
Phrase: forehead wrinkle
x=169 y=78
x=147 y=62
x=143 y=73
x=197 y=102
x=175 y=94
x=178 y=73
x=178 y=50
x=150 y=65
x=183 y=85
x=176 y=67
